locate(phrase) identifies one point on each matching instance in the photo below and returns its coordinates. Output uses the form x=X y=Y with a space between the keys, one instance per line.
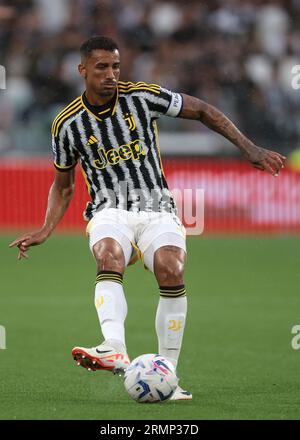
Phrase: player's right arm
x=60 y=195
x=261 y=158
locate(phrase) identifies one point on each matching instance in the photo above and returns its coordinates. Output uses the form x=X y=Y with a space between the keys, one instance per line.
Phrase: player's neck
x=97 y=100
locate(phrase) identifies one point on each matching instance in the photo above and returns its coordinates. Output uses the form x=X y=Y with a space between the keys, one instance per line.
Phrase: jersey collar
x=101 y=112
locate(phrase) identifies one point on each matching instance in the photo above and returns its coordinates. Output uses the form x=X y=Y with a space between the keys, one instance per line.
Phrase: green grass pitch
x=237 y=357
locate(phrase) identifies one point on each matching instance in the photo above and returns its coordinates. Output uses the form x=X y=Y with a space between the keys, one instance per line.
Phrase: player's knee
x=169 y=268
x=109 y=256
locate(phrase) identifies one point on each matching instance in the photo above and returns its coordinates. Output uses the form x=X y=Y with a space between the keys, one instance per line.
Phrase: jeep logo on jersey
x=130 y=121
x=133 y=150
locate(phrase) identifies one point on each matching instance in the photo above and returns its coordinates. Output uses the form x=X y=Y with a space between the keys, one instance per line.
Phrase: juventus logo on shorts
x=130 y=121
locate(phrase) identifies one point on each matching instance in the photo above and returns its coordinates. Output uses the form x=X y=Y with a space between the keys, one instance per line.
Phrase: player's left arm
x=196 y=109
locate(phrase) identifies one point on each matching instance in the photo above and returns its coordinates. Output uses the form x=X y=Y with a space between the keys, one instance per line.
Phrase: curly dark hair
x=97 y=42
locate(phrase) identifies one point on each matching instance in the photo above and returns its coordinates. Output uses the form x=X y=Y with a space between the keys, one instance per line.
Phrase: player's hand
x=31 y=239
x=265 y=160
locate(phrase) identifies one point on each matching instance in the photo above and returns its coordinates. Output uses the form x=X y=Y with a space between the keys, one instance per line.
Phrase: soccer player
x=111 y=131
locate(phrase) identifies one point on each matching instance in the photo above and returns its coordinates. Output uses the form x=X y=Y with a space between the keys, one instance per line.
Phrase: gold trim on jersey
x=88 y=110
x=116 y=103
x=139 y=89
x=88 y=186
x=104 y=111
x=60 y=114
x=136 y=86
x=66 y=116
x=65 y=109
x=64 y=167
x=158 y=146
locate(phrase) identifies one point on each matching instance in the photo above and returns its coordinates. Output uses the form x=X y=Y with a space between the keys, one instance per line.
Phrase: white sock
x=169 y=324
x=111 y=308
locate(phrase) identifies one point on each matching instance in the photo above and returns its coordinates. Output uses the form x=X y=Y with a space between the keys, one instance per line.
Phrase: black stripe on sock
x=109 y=272
x=109 y=275
x=172 y=291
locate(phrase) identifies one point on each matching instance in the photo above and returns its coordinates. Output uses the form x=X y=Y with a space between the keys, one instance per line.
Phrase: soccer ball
x=150 y=378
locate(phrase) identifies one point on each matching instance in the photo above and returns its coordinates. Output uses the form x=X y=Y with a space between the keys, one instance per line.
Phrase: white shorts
x=139 y=234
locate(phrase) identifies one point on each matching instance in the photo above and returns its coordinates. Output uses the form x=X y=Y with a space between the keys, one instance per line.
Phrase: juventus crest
x=130 y=121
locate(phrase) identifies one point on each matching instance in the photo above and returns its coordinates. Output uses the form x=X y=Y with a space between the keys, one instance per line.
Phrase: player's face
x=101 y=71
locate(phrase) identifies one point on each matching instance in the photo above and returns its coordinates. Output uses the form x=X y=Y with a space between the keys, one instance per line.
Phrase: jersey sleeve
x=64 y=156
x=165 y=102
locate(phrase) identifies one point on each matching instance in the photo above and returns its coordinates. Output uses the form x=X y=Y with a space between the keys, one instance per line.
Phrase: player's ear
x=82 y=70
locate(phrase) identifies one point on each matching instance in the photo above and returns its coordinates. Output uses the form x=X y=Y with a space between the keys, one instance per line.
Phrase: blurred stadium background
x=244 y=292
x=237 y=55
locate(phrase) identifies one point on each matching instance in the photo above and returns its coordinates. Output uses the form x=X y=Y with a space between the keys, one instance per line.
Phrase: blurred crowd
x=236 y=54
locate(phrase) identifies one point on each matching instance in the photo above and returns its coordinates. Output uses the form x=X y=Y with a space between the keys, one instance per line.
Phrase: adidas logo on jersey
x=92 y=140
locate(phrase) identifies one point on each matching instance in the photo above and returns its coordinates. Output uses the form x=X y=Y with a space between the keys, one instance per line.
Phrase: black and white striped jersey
x=117 y=147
